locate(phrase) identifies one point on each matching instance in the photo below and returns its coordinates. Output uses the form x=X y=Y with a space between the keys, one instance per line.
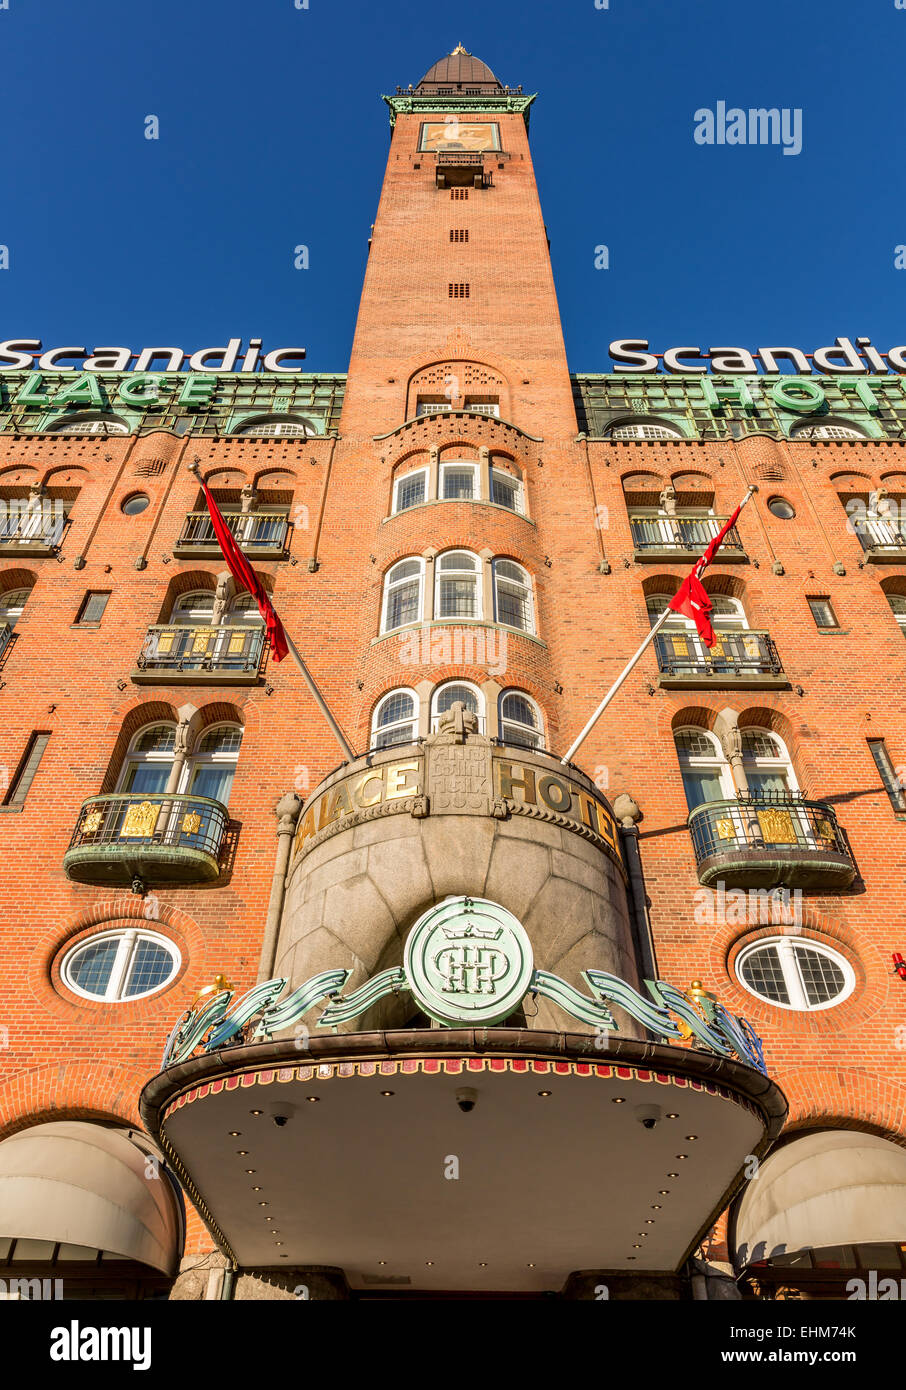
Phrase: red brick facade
x=67 y=1057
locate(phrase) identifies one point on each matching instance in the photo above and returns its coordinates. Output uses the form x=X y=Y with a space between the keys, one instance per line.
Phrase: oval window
x=136 y=503
x=119 y=966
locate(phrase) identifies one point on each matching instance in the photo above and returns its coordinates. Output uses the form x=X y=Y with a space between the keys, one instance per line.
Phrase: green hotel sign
x=144 y=391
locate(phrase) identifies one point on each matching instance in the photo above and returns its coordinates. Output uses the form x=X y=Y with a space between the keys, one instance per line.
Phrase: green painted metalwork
x=181 y=402
x=342 y=1010
x=413 y=103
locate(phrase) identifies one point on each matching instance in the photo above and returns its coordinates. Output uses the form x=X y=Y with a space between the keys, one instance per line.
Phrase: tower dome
x=457 y=72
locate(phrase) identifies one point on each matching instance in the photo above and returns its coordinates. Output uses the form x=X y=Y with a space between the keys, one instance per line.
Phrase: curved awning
x=83 y=1184
x=833 y=1188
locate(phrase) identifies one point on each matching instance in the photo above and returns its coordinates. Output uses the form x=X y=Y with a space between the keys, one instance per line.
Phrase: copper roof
x=459 y=68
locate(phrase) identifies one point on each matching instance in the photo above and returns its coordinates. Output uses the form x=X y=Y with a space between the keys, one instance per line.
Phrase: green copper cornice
x=414 y=102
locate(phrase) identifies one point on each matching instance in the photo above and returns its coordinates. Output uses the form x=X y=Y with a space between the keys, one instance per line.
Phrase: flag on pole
x=691 y=598
x=242 y=572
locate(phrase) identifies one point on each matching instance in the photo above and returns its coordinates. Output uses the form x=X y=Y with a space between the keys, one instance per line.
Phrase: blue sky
x=272 y=134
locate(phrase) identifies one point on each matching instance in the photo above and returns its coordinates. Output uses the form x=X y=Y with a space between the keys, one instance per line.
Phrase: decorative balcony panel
x=770 y=841
x=262 y=535
x=666 y=538
x=200 y=656
x=153 y=839
x=29 y=529
x=745 y=660
x=884 y=542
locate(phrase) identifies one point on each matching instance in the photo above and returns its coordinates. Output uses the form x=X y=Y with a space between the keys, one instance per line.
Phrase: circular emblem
x=468 y=961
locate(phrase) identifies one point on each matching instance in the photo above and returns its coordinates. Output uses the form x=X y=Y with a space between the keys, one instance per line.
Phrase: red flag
x=691 y=598
x=242 y=572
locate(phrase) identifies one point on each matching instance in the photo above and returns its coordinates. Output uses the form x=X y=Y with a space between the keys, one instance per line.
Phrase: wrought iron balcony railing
x=31 y=529
x=736 y=655
x=260 y=533
x=769 y=839
x=226 y=653
x=6 y=634
x=880 y=539
x=653 y=536
x=161 y=837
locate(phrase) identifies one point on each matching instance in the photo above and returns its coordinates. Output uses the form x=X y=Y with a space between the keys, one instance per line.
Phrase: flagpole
x=568 y=755
x=318 y=698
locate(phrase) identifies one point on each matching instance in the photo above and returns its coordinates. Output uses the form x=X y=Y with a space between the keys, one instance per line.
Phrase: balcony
x=146 y=839
x=6 y=636
x=884 y=542
x=31 y=529
x=462 y=168
x=175 y=655
x=770 y=841
x=745 y=660
x=260 y=534
x=666 y=538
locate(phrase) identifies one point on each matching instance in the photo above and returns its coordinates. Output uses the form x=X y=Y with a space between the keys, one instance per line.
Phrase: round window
x=782 y=508
x=136 y=503
x=795 y=974
x=120 y=966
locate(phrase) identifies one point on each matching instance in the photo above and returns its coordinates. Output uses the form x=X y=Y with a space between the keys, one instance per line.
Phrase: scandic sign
x=19 y=353
x=844 y=358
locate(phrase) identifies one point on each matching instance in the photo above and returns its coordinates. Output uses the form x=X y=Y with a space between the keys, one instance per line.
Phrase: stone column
x=486 y=580
x=428 y=605
x=433 y=472
x=484 y=474
x=180 y=753
x=287 y=813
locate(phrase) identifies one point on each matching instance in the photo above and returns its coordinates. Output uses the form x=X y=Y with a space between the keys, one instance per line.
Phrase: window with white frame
x=97 y=425
x=727 y=614
x=506 y=490
x=795 y=973
x=403 y=594
x=120 y=966
x=208 y=771
x=704 y=769
x=395 y=719
x=283 y=427
x=458 y=481
x=644 y=431
x=513 y=596
x=193 y=608
x=520 y=720
x=457 y=585
x=12 y=603
x=813 y=431
x=766 y=763
x=411 y=490
x=446 y=696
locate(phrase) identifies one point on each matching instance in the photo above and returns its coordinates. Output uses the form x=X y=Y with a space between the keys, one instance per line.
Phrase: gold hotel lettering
x=386 y=783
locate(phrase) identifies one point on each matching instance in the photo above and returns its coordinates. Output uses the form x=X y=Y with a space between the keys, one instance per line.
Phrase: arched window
x=11 y=604
x=459 y=480
x=207 y=771
x=283 y=426
x=193 y=609
x=644 y=430
x=403 y=594
x=119 y=966
x=795 y=974
x=520 y=720
x=395 y=719
x=211 y=767
x=506 y=490
x=445 y=697
x=828 y=431
x=458 y=586
x=244 y=612
x=766 y=763
x=727 y=613
x=898 y=608
x=704 y=769
x=513 y=596
x=147 y=767
x=410 y=490
x=95 y=424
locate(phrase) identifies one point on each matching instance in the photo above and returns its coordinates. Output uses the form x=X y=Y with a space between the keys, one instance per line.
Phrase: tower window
x=459 y=234
x=459 y=194
x=823 y=612
x=459 y=291
x=26 y=771
x=93 y=605
x=892 y=782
